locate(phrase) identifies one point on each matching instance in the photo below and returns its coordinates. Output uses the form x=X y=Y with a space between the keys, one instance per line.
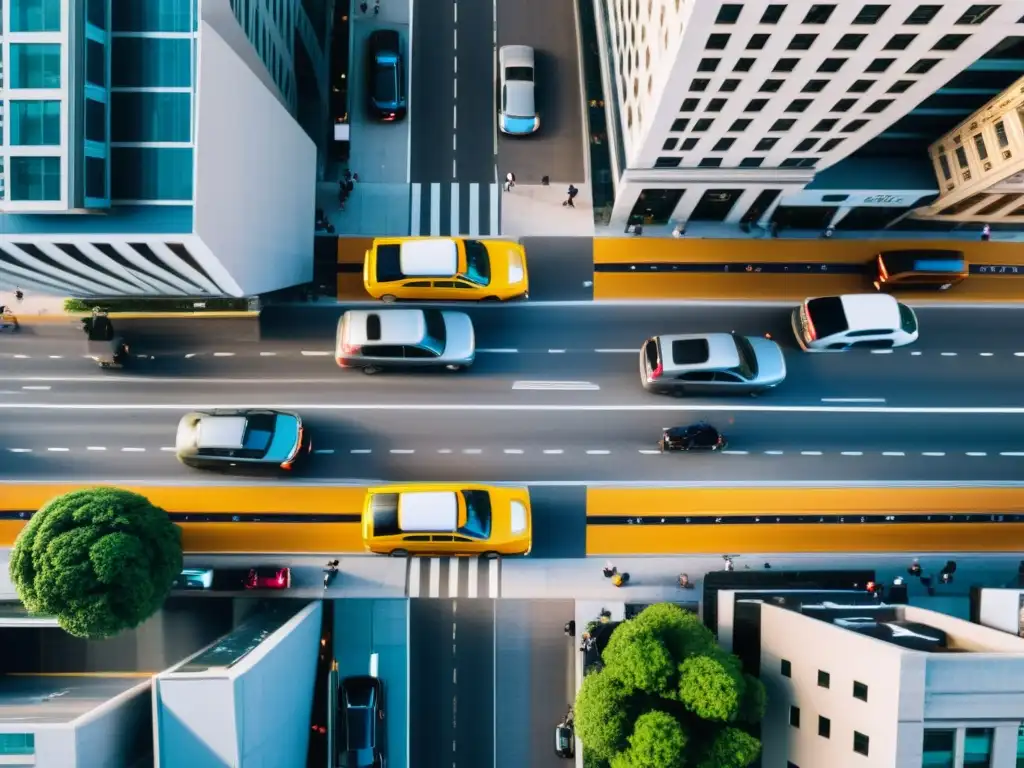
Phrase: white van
x=853 y=321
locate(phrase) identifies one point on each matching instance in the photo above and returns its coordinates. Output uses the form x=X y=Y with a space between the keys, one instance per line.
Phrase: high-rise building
x=811 y=114
x=157 y=147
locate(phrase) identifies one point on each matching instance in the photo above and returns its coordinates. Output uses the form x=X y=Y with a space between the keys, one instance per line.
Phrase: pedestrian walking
x=609 y=570
x=19 y=295
x=729 y=565
x=570 y=628
x=510 y=181
x=570 y=196
x=986 y=233
x=620 y=579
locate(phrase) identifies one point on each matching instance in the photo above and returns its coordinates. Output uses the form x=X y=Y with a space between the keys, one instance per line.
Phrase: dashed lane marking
x=223 y=354
x=133 y=450
x=948 y=354
x=39 y=388
x=513 y=451
x=736 y=453
x=472 y=451
x=20 y=450
x=933 y=453
x=499 y=351
x=810 y=453
x=314 y=353
x=58 y=450
x=852 y=453
x=402 y=451
x=598 y=453
x=562 y=386
x=553 y=451
x=360 y=450
x=976 y=453
x=324 y=451
x=96 y=448
x=268 y=354
x=893 y=453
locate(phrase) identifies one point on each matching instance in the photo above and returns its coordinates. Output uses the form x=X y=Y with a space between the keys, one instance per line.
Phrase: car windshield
x=748 y=358
x=828 y=316
x=259 y=429
x=478 y=515
x=519 y=73
x=437 y=333
x=908 y=320
x=478 y=263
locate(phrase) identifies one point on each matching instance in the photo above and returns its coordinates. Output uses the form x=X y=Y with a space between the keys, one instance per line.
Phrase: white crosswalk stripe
x=457 y=208
x=449 y=577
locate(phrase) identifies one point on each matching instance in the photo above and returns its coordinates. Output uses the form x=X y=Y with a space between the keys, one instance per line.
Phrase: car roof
x=397 y=326
x=221 y=431
x=428 y=511
x=867 y=311
x=436 y=257
x=699 y=351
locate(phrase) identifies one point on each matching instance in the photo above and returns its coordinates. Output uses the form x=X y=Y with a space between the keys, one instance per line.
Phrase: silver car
x=711 y=364
x=377 y=339
x=518 y=113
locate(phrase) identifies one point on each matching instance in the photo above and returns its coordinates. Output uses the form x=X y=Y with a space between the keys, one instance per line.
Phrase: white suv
x=853 y=321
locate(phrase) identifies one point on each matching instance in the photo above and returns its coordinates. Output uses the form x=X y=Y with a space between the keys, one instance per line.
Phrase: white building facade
x=151 y=147
x=725 y=110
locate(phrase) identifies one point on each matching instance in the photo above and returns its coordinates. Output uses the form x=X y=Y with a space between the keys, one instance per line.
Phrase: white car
x=854 y=321
x=518 y=113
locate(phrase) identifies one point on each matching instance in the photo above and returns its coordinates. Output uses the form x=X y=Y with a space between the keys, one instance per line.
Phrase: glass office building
x=160 y=147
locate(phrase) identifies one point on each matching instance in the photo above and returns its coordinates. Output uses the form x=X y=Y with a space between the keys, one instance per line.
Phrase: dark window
x=900 y=86
x=689 y=105
x=961 y=158
x=785 y=65
x=854 y=125
x=899 y=42
x=96 y=178
x=715 y=105
x=806 y=145
x=831 y=65
x=667 y=162
x=794 y=716
x=819 y=14
x=801 y=42
x=723 y=145
x=922 y=66
x=814 y=86
x=843 y=105
x=765 y=144
x=729 y=85
x=1008 y=48
x=756 y=105
x=772 y=14
x=870 y=14
x=757 y=42
x=717 y=42
x=743 y=65
x=798 y=105
x=860 y=691
x=823 y=126
x=829 y=145
x=824 y=727
x=771 y=86
x=688 y=144
x=947 y=172
x=753 y=162
x=879 y=65
x=860 y=743
x=850 y=42
x=979 y=144
x=809 y=162
x=96 y=63
x=790 y=162
x=950 y=42
x=1001 y=136
x=669 y=145
x=729 y=13
x=879 y=106
x=782 y=125
x=740 y=125
x=699 y=84
x=939 y=747
x=95 y=121
x=96 y=13
x=708 y=65
x=703 y=124
x=923 y=14
x=977 y=14
x=680 y=125
x=860 y=86
x=711 y=162
x=824 y=679
x=790 y=764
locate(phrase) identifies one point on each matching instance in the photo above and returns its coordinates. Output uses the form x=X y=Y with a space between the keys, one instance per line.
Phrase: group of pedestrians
x=570 y=194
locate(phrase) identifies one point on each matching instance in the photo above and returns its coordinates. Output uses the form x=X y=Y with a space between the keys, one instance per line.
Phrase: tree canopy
x=667 y=696
x=100 y=560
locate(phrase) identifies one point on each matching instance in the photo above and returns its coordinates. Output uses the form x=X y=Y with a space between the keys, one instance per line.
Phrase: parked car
x=269 y=577
x=385 y=73
x=362 y=717
x=194 y=578
x=518 y=113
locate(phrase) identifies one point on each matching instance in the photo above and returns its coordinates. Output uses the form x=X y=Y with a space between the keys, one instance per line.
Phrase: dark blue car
x=385 y=84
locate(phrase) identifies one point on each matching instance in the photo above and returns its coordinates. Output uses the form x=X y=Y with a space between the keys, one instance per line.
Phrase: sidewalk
x=536 y=210
x=35 y=307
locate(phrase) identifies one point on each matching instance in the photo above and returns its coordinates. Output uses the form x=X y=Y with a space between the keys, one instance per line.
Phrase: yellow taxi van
x=445 y=269
x=921 y=270
x=447 y=519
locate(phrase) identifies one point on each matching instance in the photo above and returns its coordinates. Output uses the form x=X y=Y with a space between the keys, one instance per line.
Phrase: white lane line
x=618 y=351
x=1011 y=453
x=853 y=399
x=58 y=450
x=649 y=452
x=314 y=353
x=810 y=453
x=881 y=351
x=190 y=355
x=168 y=449
x=133 y=450
x=513 y=451
x=361 y=450
x=934 y=453
x=472 y=451
x=553 y=451
x=1018 y=354
x=916 y=354
x=403 y=451
x=444 y=450
x=893 y=453
x=736 y=453
x=976 y=453
x=21 y=357
x=326 y=451
x=20 y=450
x=598 y=453
x=773 y=453
x=948 y=354
x=223 y=354
x=986 y=354
x=556 y=351
x=851 y=453
x=41 y=388
x=268 y=354
x=56 y=357
x=499 y=351
x=99 y=448
x=565 y=386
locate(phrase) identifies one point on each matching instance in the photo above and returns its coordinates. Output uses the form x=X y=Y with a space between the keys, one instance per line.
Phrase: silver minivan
x=379 y=339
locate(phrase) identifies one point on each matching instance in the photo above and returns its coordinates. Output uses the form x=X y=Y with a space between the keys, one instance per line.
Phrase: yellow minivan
x=445 y=269
x=447 y=519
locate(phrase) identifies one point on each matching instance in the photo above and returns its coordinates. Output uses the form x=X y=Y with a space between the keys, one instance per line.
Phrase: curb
x=73 y=318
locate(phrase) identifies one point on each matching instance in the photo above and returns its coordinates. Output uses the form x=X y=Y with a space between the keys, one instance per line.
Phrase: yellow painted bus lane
x=351 y=252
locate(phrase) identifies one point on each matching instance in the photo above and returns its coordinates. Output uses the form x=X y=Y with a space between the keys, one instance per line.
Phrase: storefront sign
x=884 y=200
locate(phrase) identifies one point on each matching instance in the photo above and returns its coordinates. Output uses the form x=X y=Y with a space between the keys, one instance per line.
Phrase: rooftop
x=58 y=698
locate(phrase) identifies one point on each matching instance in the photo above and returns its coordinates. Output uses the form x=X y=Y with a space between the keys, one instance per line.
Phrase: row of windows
x=719 y=41
x=779 y=126
x=691 y=105
x=820 y=13
x=724 y=144
x=860 y=690
x=980 y=148
x=151 y=15
x=746 y=162
x=829 y=65
x=860 y=741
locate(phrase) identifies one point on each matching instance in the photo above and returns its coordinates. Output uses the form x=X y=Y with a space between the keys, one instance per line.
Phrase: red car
x=269 y=578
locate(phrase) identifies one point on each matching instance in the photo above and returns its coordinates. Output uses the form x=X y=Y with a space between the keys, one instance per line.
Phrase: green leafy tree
x=639 y=659
x=100 y=560
x=601 y=718
x=709 y=688
x=658 y=741
x=730 y=748
x=681 y=631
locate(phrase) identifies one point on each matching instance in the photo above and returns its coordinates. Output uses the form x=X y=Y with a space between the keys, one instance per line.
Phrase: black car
x=565 y=737
x=362 y=718
x=696 y=437
x=385 y=76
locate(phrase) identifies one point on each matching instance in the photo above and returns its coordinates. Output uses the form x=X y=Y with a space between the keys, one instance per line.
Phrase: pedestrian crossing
x=458 y=208
x=453 y=577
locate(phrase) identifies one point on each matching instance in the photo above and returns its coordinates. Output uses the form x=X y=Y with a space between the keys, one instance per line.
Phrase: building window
x=900 y=86
x=853 y=126
x=923 y=14
x=977 y=14
x=708 y=65
x=794 y=716
x=669 y=145
x=790 y=162
x=139 y=62
x=814 y=86
x=961 y=158
x=899 y=42
x=689 y=105
x=785 y=65
x=711 y=162
x=824 y=126
x=922 y=66
x=798 y=105
x=879 y=65
x=146 y=116
x=35 y=123
x=34 y=179
x=878 y=106
x=96 y=63
x=860 y=86
x=34 y=65
x=939 y=748
x=801 y=42
x=831 y=65
x=779 y=126
x=785 y=668
x=860 y=743
x=829 y=145
x=688 y=144
x=679 y=126
x=95 y=121
x=96 y=13
x=819 y=14
x=729 y=85
x=978 y=748
x=850 y=42
x=757 y=42
x=1020 y=730
x=806 y=145
x=772 y=14
x=699 y=84
x=152 y=16
x=756 y=105
x=950 y=42
x=860 y=691
x=146 y=173
x=743 y=65
x=35 y=16
x=790 y=764
x=667 y=162
x=96 y=178
x=823 y=679
x=771 y=86
x=947 y=173
x=870 y=14
x=824 y=727
x=809 y=162
x=1001 y=137
x=739 y=125
x=723 y=145
x=763 y=146
x=843 y=105
x=717 y=42
x=751 y=162
x=715 y=105
x=729 y=13
x=702 y=125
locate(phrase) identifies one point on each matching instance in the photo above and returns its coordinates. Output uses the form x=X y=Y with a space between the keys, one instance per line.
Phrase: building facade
x=156 y=147
x=726 y=112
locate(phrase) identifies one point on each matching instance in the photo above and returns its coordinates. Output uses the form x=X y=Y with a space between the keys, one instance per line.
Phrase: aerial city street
x=650 y=373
